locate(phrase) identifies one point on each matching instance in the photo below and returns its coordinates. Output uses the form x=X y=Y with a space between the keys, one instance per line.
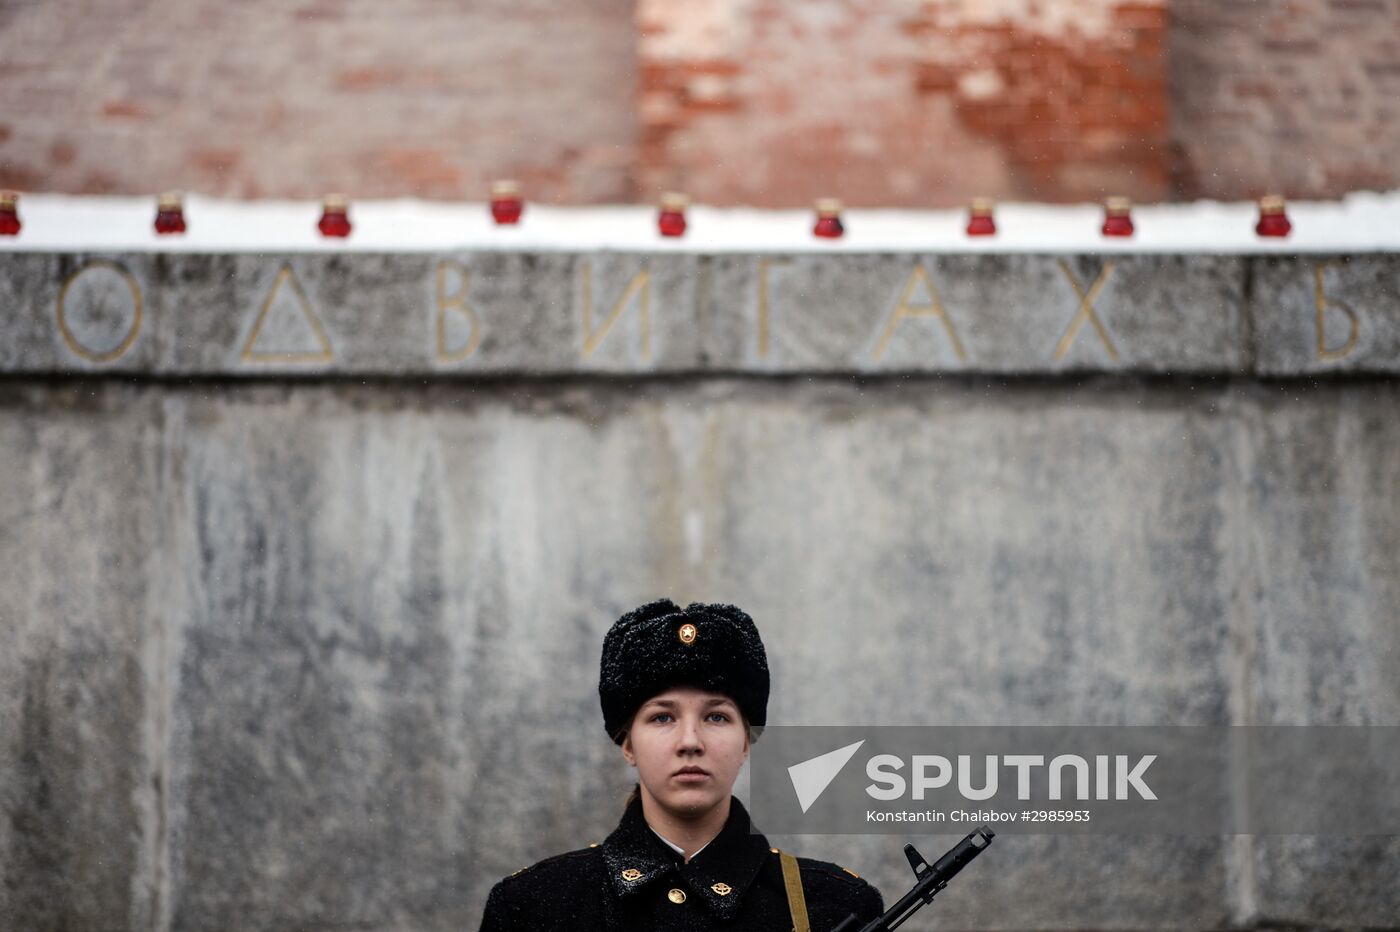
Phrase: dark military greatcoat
x=634 y=882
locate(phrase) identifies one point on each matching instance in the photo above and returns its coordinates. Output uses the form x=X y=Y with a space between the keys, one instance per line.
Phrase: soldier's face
x=681 y=731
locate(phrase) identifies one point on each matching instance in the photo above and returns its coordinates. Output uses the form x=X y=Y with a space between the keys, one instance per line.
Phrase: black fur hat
x=658 y=645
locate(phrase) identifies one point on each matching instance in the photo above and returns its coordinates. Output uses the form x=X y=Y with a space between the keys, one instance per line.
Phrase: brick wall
x=764 y=102
x=883 y=103
x=1301 y=96
x=282 y=98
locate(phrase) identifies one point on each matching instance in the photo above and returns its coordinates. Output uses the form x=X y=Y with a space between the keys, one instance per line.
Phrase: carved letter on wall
x=457 y=302
x=303 y=312
x=641 y=282
x=763 y=266
x=1323 y=303
x=96 y=294
x=905 y=309
x=1086 y=311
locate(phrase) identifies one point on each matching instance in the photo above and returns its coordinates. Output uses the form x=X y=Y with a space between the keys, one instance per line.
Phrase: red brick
x=62 y=153
x=217 y=161
x=124 y=108
x=367 y=79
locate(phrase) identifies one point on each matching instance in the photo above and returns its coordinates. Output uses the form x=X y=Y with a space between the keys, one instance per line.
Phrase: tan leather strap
x=797 y=903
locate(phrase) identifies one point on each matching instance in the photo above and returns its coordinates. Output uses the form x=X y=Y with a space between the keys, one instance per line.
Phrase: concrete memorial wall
x=307 y=558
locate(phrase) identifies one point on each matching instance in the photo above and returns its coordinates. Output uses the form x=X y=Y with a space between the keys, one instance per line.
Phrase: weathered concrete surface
x=985 y=554
x=81 y=614
x=493 y=313
x=1324 y=492
x=386 y=606
x=296 y=655
x=1325 y=558
x=986 y=538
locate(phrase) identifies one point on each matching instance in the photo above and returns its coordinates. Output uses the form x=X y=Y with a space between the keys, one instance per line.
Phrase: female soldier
x=683 y=693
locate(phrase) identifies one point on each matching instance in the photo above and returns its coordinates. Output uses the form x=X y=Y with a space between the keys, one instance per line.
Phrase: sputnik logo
x=811 y=777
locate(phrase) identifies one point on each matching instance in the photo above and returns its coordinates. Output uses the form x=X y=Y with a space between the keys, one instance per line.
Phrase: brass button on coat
x=677 y=895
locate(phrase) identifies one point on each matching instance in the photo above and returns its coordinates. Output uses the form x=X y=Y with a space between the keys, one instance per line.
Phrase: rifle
x=930 y=881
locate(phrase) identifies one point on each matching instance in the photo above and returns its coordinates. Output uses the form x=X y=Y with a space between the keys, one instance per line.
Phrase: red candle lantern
x=335 y=220
x=979 y=220
x=506 y=203
x=170 y=213
x=9 y=213
x=1273 y=220
x=828 y=223
x=1117 y=217
x=671 y=221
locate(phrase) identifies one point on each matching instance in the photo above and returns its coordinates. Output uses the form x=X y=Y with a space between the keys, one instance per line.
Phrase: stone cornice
x=459 y=314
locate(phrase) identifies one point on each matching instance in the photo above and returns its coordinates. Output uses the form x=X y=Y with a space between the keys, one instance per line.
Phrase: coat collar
x=719 y=875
